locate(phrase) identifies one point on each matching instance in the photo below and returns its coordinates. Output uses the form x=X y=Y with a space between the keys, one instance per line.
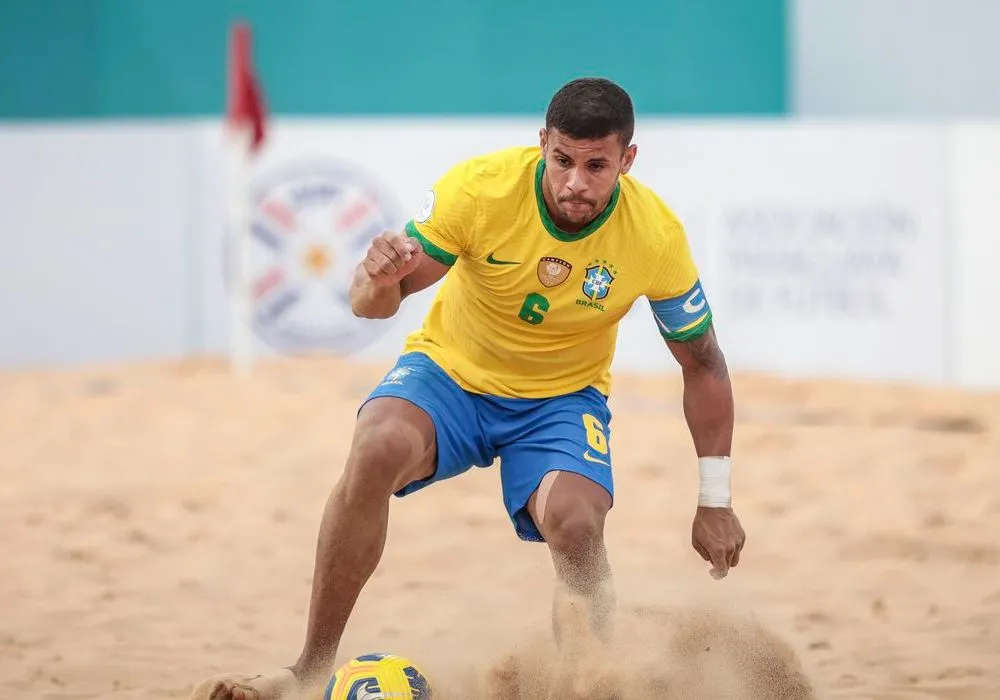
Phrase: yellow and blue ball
x=378 y=676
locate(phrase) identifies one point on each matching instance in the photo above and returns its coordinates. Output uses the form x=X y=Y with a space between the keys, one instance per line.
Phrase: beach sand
x=159 y=525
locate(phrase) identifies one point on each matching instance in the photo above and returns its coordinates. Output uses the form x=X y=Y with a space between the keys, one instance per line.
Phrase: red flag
x=245 y=100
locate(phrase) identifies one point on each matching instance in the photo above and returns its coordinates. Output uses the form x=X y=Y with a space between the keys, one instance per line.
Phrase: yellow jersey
x=528 y=310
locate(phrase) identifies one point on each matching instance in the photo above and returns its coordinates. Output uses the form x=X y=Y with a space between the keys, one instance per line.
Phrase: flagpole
x=245 y=132
x=241 y=343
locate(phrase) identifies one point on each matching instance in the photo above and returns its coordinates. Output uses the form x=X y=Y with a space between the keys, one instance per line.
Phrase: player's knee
x=574 y=528
x=572 y=514
x=385 y=456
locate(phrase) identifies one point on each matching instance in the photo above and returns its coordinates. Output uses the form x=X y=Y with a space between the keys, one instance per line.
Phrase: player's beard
x=578 y=209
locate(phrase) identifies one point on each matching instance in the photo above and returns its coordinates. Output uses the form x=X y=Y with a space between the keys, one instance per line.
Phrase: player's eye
x=563 y=161
x=596 y=166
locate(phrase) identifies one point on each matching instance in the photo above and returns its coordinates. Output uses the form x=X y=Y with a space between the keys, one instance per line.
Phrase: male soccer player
x=542 y=251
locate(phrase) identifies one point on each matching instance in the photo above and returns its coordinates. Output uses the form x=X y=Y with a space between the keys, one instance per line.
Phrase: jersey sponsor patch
x=683 y=317
x=553 y=271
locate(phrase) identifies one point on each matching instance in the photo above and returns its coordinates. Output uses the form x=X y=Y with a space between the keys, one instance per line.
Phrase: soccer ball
x=378 y=677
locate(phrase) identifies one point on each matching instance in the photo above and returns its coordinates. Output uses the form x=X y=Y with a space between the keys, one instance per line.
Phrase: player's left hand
x=718 y=537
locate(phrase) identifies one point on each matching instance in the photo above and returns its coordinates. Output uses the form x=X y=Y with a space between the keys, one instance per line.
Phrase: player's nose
x=576 y=182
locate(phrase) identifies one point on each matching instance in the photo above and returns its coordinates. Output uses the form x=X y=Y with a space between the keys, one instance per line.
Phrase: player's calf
x=570 y=510
x=393 y=444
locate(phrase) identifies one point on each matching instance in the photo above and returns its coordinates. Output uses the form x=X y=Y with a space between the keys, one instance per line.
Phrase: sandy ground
x=158 y=525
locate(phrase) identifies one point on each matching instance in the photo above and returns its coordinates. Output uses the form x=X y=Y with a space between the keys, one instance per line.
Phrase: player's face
x=580 y=175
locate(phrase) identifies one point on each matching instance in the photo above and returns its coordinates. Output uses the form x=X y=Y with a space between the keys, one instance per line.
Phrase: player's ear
x=543 y=137
x=629 y=158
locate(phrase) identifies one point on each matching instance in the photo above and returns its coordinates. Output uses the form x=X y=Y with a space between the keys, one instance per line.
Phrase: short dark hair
x=591 y=108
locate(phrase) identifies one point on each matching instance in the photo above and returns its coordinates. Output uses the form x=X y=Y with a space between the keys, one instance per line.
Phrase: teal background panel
x=146 y=58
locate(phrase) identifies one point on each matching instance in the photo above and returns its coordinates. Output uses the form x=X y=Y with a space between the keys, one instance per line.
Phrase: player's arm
x=716 y=533
x=685 y=322
x=684 y=318
x=708 y=392
x=394 y=267
x=400 y=264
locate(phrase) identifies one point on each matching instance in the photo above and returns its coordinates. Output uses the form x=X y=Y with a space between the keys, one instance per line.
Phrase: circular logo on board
x=310 y=225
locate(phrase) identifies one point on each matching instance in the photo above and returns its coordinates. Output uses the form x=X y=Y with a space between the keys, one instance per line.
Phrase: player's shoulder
x=474 y=189
x=498 y=171
x=658 y=243
x=656 y=238
x=647 y=211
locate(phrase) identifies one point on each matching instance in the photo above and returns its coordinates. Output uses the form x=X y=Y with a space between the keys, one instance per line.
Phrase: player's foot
x=277 y=685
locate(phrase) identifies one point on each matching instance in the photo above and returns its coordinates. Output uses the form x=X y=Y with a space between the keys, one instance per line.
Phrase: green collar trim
x=550 y=225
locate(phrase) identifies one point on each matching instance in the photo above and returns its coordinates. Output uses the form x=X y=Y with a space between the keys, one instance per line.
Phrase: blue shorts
x=530 y=436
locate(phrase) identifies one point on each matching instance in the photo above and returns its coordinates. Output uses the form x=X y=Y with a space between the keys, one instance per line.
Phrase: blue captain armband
x=685 y=317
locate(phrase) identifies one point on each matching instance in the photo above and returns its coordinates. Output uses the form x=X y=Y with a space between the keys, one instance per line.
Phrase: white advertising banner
x=847 y=250
x=821 y=247
x=97 y=222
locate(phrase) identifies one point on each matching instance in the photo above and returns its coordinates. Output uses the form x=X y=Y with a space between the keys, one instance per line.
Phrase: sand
x=159 y=526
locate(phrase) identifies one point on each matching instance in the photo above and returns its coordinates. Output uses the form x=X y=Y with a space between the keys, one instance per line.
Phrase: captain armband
x=683 y=317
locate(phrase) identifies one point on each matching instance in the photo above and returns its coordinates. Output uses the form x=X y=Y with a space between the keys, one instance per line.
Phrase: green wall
x=142 y=58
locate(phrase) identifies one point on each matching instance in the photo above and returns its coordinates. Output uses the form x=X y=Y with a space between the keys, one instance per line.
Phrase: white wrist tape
x=713 y=489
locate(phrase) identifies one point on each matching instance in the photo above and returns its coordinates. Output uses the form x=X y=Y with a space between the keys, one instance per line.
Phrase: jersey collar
x=550 y=225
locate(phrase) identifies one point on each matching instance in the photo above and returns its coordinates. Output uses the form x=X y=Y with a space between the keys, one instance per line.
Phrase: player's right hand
x=391 y=257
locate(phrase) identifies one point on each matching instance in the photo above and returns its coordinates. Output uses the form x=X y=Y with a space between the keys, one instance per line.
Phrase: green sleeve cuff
x=436 y=252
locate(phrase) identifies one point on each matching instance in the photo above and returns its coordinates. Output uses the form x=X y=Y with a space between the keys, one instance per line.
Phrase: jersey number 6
x=533 y=309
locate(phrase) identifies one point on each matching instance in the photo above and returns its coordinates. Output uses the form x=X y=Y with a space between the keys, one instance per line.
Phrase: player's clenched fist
x=391 y=257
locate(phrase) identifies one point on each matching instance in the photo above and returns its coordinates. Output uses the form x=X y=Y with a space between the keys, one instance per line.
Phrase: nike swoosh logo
x=493 y=261
x=591 y=458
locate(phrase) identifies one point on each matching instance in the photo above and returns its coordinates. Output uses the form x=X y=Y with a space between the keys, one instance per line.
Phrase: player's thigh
x=420 y=424
x=569 y=434
x=394 y=443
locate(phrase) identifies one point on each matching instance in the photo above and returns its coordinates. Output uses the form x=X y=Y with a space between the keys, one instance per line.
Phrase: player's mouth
x=576 y=206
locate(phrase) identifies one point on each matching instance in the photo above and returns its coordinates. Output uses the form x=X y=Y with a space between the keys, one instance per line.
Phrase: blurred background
x=834 y=162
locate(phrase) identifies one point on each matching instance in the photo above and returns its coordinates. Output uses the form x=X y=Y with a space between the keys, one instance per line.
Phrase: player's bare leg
x=570 y=510
x=393 y=445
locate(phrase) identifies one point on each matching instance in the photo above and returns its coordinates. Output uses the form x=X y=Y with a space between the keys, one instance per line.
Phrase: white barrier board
x=850 y=250
x=96 y=222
